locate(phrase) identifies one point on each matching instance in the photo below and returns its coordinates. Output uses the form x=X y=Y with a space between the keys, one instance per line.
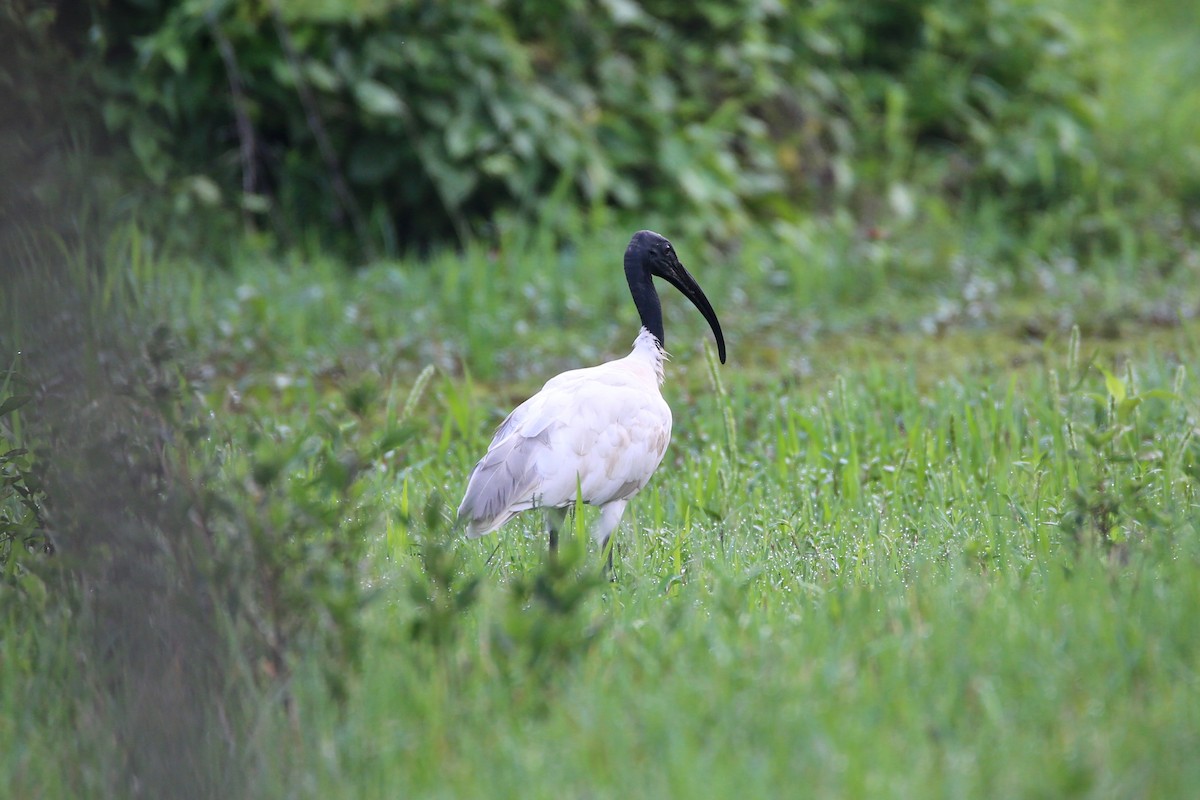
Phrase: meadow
x=925 y=561
x=932 y=531
x=927 y=538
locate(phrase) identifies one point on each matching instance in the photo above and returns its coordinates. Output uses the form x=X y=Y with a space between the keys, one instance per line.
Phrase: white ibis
x=597 y=433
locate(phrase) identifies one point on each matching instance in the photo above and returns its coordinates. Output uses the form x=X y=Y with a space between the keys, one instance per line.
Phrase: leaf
x=321 y=76
x=498 y=164
x=373 y=161
x=395 y=437
x=1126 y=407
x=256 y=203
x=453 y=184
x=205 y=189
x=175 y=55
x=1159 y=394
x=1099 y=439
x=379 y=100
x=14 y=402
x=143 y=139
x=1115 y=386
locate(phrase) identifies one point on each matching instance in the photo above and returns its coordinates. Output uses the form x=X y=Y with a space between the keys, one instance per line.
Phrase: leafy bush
x=403 y=122
x=194 y=572
x=287 y=519
x=533 y=627
x=1118 y=499
x=22 y=503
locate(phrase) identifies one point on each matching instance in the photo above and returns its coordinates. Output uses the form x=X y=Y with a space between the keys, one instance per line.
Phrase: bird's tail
x=498 y=488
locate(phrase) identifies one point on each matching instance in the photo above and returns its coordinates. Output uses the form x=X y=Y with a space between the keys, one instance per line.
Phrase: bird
x=596 y=434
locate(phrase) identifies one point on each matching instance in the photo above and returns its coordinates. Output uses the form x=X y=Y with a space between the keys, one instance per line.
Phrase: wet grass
x=928 y=543
x=932 y=531
x=895 y=549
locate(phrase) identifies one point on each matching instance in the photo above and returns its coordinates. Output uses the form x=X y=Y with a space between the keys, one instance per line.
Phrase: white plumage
x=605 y=426
x=598 y=433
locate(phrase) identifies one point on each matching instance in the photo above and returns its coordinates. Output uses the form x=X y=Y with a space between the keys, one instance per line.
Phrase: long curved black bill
x=682 y=280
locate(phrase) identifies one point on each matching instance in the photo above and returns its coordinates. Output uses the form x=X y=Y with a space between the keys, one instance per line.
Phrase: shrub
x=192 y=573
x=397 y=121
x=22 y=503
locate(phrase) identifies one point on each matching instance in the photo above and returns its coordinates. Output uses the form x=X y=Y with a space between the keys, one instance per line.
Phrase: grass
x=882 y=590
x=883 y=555
x=933 y=536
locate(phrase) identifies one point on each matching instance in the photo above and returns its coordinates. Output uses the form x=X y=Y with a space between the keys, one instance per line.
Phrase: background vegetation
x=272 y=272
x=382 y=125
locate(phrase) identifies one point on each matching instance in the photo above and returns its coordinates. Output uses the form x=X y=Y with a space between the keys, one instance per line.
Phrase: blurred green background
x=385 y=127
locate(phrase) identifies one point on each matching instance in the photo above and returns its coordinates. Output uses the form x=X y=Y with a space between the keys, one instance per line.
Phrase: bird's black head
x=650 y=254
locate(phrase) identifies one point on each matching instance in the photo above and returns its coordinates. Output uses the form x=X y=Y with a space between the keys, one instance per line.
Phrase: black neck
x=641 y=286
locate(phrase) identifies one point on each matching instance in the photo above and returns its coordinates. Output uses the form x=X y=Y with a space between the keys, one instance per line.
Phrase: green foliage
x=903 y=543
x=286 y=520
x=23 y=538
x=285 y=507
x=39 y=95
x=891 y=593
x=549 y=622
x=439 y=593
x=196 y=559
x=1117 y=500
x=891 y=545
x=1148 y=99
x=531 y=630
x=400 y=122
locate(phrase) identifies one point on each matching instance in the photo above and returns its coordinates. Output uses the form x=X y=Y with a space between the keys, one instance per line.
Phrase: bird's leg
x=610 y=517
x=555 y=517
x=608 y=547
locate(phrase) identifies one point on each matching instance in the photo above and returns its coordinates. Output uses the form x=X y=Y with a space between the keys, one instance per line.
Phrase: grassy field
x=893 y=549
x=921 y=536
x=906 y=542
x=967 y=572
x=914 y=539
x=933 y=531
